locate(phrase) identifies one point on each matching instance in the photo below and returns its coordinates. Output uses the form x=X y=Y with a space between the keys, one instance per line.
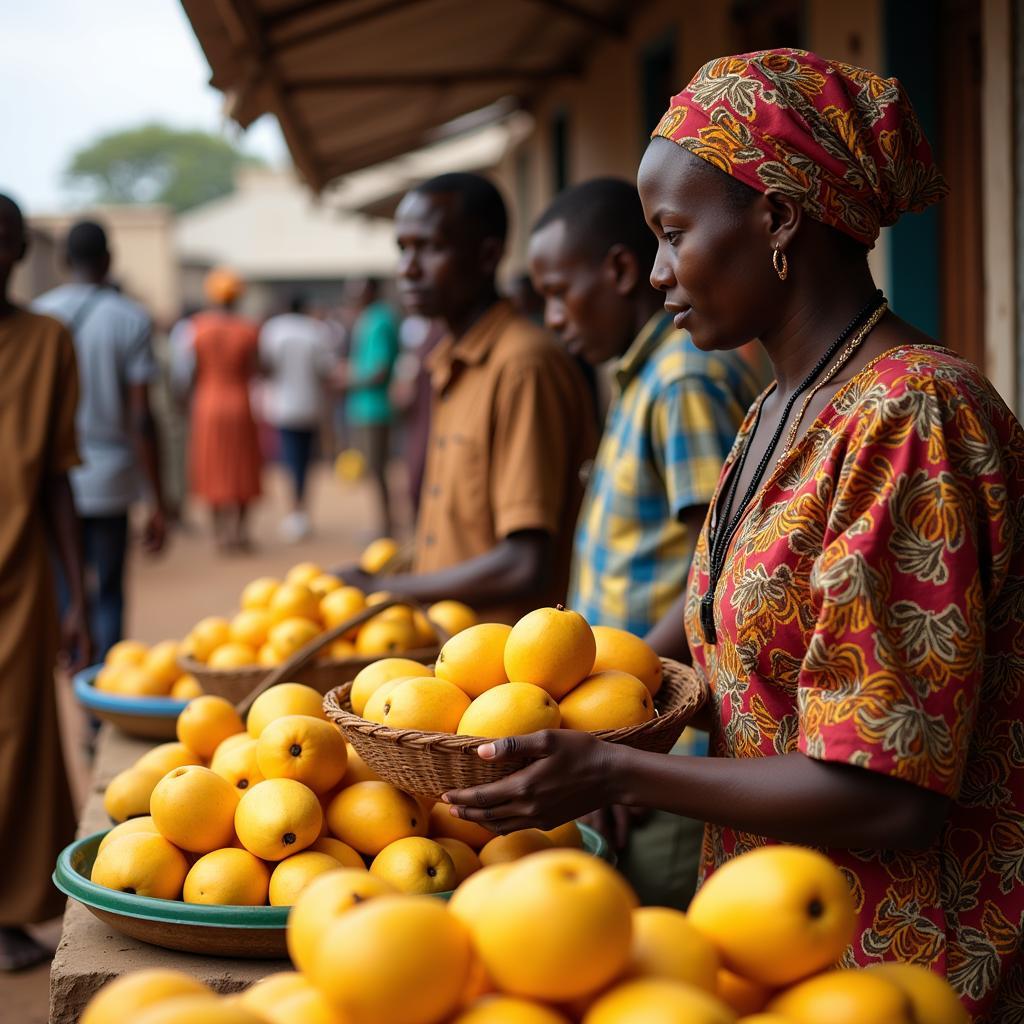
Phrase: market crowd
x=715 y=434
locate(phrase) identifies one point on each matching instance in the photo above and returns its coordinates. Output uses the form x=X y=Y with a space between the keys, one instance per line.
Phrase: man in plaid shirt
x=674 y=414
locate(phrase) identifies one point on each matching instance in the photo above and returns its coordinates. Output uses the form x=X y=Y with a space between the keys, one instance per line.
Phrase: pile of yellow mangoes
x=249 y=813
x=131 y=669
x=549 y=670
x=276 y=618
x=555 y=937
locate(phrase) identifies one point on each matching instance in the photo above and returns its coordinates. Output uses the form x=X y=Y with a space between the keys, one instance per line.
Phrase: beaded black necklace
x=719 y=539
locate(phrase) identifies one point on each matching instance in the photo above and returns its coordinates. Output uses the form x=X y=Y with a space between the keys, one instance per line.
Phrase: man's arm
x=514 y=568
x=147 y=451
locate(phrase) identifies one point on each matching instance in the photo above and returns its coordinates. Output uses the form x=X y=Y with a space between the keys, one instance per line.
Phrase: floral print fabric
x=842 y=140
x=871 y=612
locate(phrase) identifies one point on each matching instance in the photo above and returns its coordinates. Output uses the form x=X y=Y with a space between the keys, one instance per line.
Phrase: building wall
x=39 y=270
x=141 y=245
x=853 y=31
x=604 y=106
x=603 y=111
x=999 y=194
x=1018 y=135
x=265 y=297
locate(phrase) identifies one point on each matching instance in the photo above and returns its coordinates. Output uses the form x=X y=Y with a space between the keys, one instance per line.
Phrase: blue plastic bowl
x=150 y=718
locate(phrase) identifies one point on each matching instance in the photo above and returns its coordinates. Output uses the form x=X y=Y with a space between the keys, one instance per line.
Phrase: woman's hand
x=571 y=775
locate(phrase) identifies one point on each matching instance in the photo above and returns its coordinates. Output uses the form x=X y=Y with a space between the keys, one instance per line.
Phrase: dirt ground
x=166 y=595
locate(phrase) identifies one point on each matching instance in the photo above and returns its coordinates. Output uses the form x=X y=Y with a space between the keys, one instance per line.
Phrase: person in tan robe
x=38 y=396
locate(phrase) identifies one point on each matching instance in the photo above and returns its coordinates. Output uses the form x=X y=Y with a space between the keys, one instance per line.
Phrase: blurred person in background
x=179 y=368
x=117 y=432
x=224 y=451
x=38 y=397
x=411 y=395
x=674 y=415
x=530 y=303
x=181 y=356
x=339 y=320
x=366 y=378
x=296 y=357
x=511 y=423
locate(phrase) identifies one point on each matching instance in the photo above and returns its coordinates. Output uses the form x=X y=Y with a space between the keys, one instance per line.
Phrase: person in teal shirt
x=368 y=408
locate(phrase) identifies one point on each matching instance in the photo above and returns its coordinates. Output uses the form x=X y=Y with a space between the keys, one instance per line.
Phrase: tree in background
x=157 y=164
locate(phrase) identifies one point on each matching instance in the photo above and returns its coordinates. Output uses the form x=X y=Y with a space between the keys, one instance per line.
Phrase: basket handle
x=399 y=562
x=305 y=655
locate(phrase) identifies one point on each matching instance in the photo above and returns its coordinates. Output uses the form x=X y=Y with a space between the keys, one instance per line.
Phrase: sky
x=72 y=71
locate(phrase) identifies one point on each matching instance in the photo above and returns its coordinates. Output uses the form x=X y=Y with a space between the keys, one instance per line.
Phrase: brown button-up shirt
x=511 y=426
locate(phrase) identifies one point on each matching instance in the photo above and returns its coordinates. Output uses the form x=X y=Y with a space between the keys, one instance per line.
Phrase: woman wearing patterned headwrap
x=856 y=602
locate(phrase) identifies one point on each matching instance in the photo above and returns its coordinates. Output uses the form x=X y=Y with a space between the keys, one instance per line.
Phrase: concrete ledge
x=114 y=753
x=91 y=953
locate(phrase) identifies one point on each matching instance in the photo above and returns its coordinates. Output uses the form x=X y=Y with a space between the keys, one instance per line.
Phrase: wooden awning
x=356 y=82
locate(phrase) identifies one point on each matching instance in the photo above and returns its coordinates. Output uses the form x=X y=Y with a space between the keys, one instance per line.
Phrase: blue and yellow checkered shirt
x=668 y=431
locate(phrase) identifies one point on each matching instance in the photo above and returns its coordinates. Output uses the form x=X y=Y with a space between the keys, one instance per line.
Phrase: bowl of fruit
x=254 y=932
x=559 y=936
x=139 y=689
x=217 y=834
x=419 y=728
x=315 y=629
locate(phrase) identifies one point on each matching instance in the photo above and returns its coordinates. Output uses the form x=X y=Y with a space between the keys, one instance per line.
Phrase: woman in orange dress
x=224 y=455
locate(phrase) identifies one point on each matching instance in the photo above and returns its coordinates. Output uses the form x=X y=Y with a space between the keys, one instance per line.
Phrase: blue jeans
x=104 y=545
x=296 y=452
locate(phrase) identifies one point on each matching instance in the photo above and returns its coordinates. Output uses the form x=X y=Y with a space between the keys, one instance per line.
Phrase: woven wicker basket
x=243 y=685
x=431 y=763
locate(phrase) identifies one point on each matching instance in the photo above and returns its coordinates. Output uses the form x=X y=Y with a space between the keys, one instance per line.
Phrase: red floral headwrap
x=843 y=141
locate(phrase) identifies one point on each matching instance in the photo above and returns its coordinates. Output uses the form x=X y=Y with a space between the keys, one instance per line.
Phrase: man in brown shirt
x=512 y=422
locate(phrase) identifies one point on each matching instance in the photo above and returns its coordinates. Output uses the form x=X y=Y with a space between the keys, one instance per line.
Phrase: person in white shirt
x=297 y=357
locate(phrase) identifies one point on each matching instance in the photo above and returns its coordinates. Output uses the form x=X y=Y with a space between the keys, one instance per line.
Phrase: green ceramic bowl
x=247 y=932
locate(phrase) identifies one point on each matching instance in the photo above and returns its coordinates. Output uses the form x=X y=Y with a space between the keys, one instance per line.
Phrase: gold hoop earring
x=780 y=263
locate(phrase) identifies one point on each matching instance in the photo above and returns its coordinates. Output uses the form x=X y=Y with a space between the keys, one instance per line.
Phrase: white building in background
x=282 y=240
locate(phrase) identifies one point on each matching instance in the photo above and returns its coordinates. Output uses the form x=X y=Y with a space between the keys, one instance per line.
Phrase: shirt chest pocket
x=464 y=480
